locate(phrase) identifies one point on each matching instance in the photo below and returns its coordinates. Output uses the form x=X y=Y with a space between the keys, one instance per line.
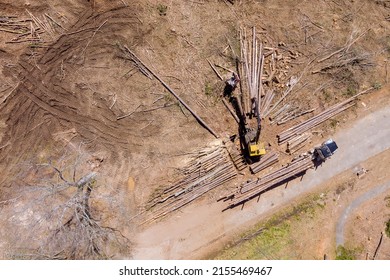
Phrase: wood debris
x=215 y=70
x=31 y=30
x=345 y=48
x=231 y=111
x=126 y=52
x=378 y=246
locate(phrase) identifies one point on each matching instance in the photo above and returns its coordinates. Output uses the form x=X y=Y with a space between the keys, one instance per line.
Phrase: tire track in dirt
x=43 y=103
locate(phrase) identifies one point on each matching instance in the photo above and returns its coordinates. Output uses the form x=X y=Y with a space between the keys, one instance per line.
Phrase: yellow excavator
x=249 y=134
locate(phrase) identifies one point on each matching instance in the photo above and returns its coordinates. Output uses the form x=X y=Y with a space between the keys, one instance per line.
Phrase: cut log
x=198 y=118
x=318 y=119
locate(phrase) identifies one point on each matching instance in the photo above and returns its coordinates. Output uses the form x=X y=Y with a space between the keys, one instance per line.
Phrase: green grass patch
x=162 y=9
x=343 y=253
x=271 y=239
x=376 y=85
x=387 y=229
x=327 y=95
x=387 y=200
x=208 y=89
x=351 y=91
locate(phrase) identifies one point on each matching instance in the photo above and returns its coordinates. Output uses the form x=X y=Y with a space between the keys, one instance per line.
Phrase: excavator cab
x=256 y=149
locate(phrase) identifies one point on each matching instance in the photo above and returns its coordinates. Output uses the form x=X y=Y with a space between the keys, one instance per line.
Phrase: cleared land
x=91 y=142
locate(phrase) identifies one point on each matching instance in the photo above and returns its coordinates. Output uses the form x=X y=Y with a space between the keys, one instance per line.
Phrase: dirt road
x=197 y=230
x=372 y=193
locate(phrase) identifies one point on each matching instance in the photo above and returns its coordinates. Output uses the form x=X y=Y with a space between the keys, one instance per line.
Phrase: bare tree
x=54 y=216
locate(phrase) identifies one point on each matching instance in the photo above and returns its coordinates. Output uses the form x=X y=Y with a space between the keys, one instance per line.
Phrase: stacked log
x=252 y=189
x=318 y=119
x=293 y=115
x=266 y=161
x=297 y=143
x=282 y=112
x=291 y=84
x=208 y=169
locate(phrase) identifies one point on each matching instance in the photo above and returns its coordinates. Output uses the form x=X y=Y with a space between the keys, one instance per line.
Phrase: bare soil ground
x=61 y=100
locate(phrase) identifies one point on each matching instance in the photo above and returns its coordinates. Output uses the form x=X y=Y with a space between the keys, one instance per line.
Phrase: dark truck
x=325 y=151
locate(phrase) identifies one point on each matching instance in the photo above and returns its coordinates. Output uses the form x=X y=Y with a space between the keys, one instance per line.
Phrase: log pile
x=208 y=169
x=297 y=143
x=254 y=188
x=263 y=72
x=300 y=128
x=265 y=161
x=292 y=115
x=284 y=112
x=252 y=59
